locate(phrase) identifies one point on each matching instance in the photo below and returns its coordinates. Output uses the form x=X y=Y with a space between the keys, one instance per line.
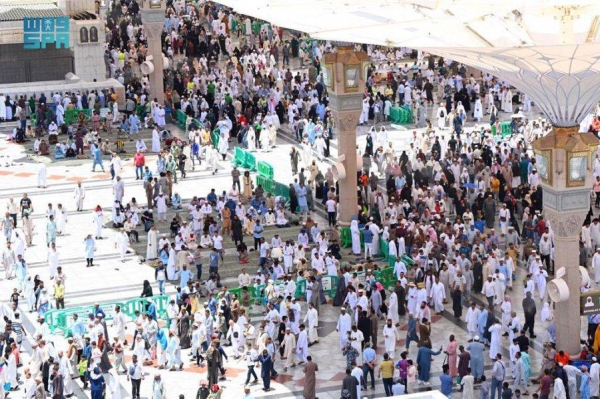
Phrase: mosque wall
x=18 y=65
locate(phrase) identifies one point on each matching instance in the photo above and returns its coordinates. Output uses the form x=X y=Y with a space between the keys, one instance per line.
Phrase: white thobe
x=390 y=335
x=438 y=294
x=343 y=326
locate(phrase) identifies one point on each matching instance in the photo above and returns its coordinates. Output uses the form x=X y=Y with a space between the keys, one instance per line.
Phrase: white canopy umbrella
x=547 y=48
x=434 y=23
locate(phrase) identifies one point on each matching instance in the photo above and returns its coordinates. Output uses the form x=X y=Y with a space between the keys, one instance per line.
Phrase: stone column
x=566 y=226
x=153 y=21
x=346 y=131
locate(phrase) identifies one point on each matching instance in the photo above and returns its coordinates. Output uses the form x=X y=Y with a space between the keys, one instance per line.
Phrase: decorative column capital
x=565 y=224
x=346 y=120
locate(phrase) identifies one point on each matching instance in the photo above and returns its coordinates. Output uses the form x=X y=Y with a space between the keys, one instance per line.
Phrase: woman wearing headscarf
x=96 y=383
x=452 y=351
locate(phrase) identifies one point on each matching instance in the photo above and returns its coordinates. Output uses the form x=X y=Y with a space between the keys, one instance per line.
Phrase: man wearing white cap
x=272 y=319
x=540 y=282
x=343 y=326
x=476 y=349
x=529 y=285
x=361 y=301
x=312 y=319
x=471 y=319
x=489 y=291
x=289 y=352
x=390 y=335
x=535 y=266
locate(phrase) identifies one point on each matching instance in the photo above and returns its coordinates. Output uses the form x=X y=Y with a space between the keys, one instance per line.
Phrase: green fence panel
x=265 y=183
x=52 y=318
x=506 y=130
x=180 y=118
x=239 y=156
x=161 y=302
x=384 y=249
x=408 y=261
x=70 y=116
x=265 y=169
x=395 y=114
x=346 y=237
x=215 y=136
x=330 y=284
x=408 y=115
x=300 y=289
x=140 y=304
x=282 y=190
x=250 y=161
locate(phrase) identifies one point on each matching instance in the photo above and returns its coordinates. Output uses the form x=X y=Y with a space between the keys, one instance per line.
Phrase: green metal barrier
x=140 y=304
x=239 y=156
x=282 y=190
x=301 y=289
x=215 y=136
x=384 y=249
x=346 y=237
x=265 y=183
x=265 y=169
x=256 y=295
x=408 y=261
x=71 y=116
x=250 y=161
x=330 y=284
x=62 y=319
x=181 y=117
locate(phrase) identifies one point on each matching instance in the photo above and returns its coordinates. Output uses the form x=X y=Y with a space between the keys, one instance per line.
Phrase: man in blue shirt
x=255 y=203
x=257 y=234
x=369 y=356
x=212 y=304
x=98 y=311
x=184 y=276
x=97 y=159
x=213 y=262
x=212 y=197
x=78 y=328
x=368 y=239
x=446 y=382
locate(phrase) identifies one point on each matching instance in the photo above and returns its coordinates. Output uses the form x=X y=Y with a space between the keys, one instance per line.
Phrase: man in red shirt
x=139 y=161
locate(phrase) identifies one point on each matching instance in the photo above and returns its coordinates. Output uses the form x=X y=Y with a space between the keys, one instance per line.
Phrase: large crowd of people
x=460 y=212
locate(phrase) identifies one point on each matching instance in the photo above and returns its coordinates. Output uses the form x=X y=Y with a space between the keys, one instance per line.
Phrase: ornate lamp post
x=343 y=76
x=153 y=14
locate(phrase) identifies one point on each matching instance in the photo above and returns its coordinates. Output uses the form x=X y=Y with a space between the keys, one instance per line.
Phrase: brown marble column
x=153 y=20
x=566 y=227
x=346 y=133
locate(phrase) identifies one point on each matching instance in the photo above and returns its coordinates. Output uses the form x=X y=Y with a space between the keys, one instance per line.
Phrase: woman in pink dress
x=451 y=353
